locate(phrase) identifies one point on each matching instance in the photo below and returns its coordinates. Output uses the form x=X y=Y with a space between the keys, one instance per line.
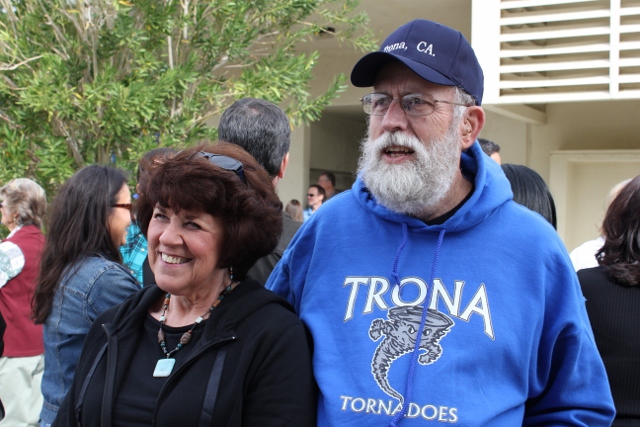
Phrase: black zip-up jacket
x=251 y=366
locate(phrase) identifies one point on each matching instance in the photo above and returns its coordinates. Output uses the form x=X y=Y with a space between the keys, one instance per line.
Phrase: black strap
x=86 y=382
x=107 y=398
x=211 y=394
x=148 y=278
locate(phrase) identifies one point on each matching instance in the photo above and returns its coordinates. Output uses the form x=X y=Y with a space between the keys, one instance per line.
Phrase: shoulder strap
x=211 y=394
x=86 y=382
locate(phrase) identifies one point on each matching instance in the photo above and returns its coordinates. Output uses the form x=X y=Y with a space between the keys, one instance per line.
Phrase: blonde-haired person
x=294 y=208
x=23 y=206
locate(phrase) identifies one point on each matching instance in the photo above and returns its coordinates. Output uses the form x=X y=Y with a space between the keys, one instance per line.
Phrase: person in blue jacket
x=431 y=296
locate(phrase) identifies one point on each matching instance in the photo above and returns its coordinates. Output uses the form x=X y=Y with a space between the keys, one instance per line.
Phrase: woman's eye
x=158 y=216
x=193 y=225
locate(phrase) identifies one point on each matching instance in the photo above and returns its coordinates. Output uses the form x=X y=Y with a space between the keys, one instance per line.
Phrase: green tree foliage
x=84 y=81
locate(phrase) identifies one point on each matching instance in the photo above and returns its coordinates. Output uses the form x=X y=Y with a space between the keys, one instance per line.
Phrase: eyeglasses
x=226 y=163
x=127 y=206
x=122 y=205
x=415 y=104
x=311 y=195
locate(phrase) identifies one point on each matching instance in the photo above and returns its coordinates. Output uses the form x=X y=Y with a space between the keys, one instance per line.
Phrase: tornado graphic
x=400 y=334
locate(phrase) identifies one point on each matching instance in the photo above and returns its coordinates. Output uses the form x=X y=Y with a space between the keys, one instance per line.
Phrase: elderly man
x=431 y=296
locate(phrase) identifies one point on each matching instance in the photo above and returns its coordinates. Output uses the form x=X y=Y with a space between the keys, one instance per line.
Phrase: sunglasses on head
x=226 y=163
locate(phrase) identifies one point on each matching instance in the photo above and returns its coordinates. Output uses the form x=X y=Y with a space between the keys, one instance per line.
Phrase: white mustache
x=388 y=140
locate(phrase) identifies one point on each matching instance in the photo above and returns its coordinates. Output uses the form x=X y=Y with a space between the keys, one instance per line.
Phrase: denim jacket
x=91 y=286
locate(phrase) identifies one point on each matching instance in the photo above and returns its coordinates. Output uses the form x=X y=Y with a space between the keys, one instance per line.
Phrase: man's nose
x=395 y=118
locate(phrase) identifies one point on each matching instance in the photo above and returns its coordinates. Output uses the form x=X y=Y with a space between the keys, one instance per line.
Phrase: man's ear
x=472 y=125
x=283 y=166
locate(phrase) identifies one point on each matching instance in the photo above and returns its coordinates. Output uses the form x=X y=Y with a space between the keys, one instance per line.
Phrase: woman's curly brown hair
x=251 y=212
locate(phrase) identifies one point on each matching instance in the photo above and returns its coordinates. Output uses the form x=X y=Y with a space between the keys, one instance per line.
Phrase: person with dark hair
x=612 y=291
x=315 y=199
x=22 y=203
x=491 y=149
x=81 y=273
x=431 y=296
x=134 y=251
x=530 y=191
x=327 y=180
x=262 y=129
x=294 y=209
x=207 y=346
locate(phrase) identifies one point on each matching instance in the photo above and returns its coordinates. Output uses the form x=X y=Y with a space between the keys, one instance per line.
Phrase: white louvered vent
x=540 y=51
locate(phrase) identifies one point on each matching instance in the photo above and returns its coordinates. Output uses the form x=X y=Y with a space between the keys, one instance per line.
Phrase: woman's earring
x=231 y=273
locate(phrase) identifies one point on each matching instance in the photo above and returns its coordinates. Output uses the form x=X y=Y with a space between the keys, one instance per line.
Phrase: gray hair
x=261 y=128
x=461 y=97
x=26 y=200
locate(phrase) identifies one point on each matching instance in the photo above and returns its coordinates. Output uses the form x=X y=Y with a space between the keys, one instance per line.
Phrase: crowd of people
x=435 y=290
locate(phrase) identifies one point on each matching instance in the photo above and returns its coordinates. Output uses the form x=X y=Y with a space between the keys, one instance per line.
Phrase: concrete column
x=295 y=183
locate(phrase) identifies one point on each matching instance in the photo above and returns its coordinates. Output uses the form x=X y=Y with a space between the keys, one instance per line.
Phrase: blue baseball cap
x=435 y=52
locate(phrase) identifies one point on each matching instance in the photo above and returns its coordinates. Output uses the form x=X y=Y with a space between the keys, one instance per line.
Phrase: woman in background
x=81 y=272
x=612 y=291
x=294 y=208
x=530 y=190
x=23 y=204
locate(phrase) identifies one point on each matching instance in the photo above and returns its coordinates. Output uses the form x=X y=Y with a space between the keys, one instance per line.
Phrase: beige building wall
x=581 y=181
x=297 y=174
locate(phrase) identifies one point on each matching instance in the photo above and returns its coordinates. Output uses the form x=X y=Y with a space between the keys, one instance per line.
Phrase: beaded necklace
x=165 y=366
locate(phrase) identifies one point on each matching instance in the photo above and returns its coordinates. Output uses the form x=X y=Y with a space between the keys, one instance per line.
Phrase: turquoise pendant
x=164 y=368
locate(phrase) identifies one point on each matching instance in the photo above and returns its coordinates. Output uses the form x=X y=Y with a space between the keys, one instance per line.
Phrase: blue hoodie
x=505 y=341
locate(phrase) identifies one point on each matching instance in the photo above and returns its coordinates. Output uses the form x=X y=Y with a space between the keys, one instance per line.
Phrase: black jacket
x=265 y=265
x=251 y=367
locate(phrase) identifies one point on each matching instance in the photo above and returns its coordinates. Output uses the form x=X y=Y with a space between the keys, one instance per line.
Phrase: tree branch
x=72 y=144
x=13 y=67
x=10 y=82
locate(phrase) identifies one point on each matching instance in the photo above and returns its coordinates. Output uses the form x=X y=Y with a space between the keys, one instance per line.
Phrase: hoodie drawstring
x=414 y=356
x=405 y=236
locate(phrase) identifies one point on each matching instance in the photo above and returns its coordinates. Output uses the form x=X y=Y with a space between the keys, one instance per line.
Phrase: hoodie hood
x=491 y=190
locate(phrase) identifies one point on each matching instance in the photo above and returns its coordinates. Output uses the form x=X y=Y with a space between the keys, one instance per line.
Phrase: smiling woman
x=208 y=345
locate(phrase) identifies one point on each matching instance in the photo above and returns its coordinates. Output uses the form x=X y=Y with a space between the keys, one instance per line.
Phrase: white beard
x=413 y=187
